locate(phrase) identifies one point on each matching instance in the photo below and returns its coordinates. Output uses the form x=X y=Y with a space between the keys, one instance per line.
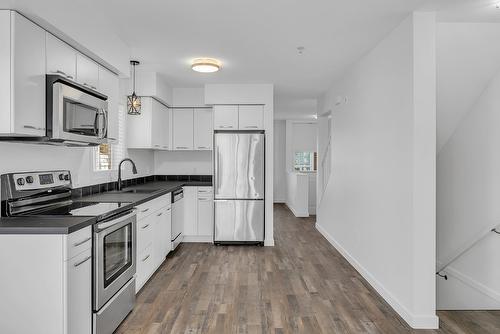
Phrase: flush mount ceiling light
x=134 y=101
x=206 y=65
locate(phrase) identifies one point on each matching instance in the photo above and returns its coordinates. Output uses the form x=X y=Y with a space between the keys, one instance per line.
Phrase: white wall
x=279 y=162
x=468 y=197
x=253 y=94
x=189 y=97
x=183 y=163
x=378 y=208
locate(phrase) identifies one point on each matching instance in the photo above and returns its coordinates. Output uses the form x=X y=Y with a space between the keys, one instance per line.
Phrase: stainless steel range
x=114 y=240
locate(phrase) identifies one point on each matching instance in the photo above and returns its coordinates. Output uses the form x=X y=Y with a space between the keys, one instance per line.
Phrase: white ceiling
x=255 y=39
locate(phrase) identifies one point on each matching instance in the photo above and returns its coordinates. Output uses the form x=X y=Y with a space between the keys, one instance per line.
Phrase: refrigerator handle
x=216 y=161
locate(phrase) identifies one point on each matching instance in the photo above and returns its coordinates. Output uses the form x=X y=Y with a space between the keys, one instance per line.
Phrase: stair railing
x=468 y=246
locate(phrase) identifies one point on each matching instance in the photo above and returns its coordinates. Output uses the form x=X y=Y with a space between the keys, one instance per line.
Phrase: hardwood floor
x=302 y=285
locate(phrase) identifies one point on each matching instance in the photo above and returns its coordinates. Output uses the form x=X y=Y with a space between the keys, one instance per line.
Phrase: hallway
x=302 y=285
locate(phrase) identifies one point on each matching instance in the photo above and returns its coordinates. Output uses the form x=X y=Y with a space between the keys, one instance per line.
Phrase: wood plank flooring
x=302 y=285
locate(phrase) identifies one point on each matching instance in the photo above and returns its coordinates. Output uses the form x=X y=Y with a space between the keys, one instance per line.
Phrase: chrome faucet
x=134 y=170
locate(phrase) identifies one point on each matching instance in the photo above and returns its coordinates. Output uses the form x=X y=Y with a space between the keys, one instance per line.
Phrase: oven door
x=77 y=115
x=114 y=256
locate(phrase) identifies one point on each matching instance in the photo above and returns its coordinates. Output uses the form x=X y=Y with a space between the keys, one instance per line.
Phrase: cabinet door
x=251 y=117
x=87 y=72
x=61 y=58
x=160 y=126
x=28 y=69
x=190 y=211
x=79 y=297
x=203 y=130
x=168 y=231
x=182 y=129
x=144 y=267
x=139 y=127
x=225 y=117
x=158 y=238
x=109 y=85
x=205 y=216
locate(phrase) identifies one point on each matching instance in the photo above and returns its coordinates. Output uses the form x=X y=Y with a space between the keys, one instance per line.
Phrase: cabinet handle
x=32 y=127
x=147 y=257
x=226 y=126
x=204 y=147
x=251 y=127
x=81 y=242
x=83 y=261
x=169 y=209
x=157 y=145
x=145 y=226
x=145 y=210
x=182 y=147
x=158 y=215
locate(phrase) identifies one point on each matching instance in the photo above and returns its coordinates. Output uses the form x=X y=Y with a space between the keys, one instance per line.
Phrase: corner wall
x=378 y=208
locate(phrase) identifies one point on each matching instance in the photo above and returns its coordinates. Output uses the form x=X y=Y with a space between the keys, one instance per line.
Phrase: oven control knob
x=20 y=181
x=66 y=177
x=61 y=177
x=29 y=179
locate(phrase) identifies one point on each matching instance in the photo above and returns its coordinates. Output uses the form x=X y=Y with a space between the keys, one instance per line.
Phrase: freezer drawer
x=239 y=165
x=239 y=220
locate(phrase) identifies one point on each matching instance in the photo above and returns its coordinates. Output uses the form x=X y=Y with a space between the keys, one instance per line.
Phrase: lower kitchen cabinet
x=199 y=214
x=56 y=282
x=153 y=237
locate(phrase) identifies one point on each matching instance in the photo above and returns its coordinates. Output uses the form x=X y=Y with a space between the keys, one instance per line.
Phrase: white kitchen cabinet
x=226 y=117
x=109 y=86
x=205 y=216
x=150 y=129
x=23 y=91
x=182 y=129
x=198 y=214
x=203 y=129
x=79 y=300
x=61 y=58
x=57 y=291
x=87 y=72
x=190 y=210
x=251 y=117
x=153 y=237
x=161 y=125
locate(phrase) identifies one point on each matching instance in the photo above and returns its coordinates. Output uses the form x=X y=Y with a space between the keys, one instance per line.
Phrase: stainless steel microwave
x=75 y=114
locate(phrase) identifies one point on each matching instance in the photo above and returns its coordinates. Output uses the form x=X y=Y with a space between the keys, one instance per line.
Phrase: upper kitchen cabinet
x=150 y=129
x=61 y=58
x=226 y=117
x=251 y=117
x=109 y=86
x=87 y=72
x=182 y=128
x=23 y=91
x=203 y=129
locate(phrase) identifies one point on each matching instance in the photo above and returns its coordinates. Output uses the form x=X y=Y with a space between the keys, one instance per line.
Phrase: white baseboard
x=279 y=200
x=198 y=238
x=296 y=213
x=269 y=242
x=415 y=321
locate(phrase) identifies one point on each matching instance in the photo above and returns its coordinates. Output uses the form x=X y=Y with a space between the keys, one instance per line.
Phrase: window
x=103 y=157
x=305 y=161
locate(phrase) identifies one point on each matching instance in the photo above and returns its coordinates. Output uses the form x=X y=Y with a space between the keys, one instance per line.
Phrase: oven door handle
x=118 y=222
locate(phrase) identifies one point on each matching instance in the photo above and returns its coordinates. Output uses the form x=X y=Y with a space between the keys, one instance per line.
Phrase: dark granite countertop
x=69 y=224
x=44 y=225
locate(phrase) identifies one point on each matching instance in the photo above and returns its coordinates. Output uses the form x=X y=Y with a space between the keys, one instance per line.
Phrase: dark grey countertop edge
x=7 y=226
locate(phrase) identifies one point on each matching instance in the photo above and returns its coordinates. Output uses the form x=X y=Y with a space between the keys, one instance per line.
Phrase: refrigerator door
x=239 y=220
x=239 y=165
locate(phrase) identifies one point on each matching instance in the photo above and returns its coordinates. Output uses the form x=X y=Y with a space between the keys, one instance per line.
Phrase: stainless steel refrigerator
x=239 y=185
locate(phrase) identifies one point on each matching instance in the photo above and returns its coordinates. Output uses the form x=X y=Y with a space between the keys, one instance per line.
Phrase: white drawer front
x=144 y=267
x=145 y=232
x=145 y=209
x=77 y=242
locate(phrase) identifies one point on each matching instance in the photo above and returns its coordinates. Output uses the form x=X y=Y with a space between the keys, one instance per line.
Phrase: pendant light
x=134 y=101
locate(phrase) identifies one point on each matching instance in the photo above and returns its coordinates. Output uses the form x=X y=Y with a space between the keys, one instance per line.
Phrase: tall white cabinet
x=22 y=54
x=182 y=129
x=203 y=129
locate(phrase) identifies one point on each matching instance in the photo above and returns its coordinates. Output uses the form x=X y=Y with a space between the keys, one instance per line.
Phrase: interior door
x=239 y=165
x=239 y=220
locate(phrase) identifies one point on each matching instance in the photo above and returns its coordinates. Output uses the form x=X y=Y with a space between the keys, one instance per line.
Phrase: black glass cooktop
x=94 y=209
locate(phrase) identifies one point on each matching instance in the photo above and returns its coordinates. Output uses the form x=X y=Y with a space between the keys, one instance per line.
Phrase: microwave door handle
x=96 y=121
x=105 y=125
